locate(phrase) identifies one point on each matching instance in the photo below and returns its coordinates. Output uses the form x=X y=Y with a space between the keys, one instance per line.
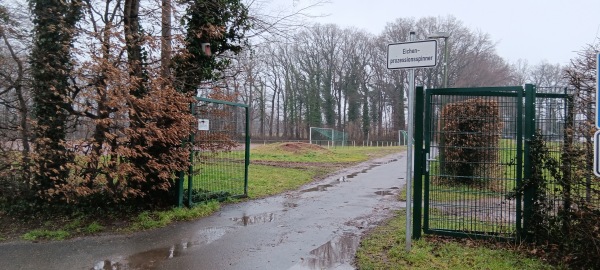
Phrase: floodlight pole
x=409 y=150
x=445 y=36
x=446 y=62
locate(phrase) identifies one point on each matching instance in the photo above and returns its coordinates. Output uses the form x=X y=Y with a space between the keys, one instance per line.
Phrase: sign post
x=411 y=55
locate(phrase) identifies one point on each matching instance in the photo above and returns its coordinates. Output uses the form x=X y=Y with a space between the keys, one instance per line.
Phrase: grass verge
x=156 y=219
x=42 y=234
x=55 y=230
x=299 y=152
x=270 y=180
x=384 y=248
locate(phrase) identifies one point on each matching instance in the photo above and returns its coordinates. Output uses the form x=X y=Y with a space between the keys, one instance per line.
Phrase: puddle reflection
x=290 y=205
x=317 y=188
x=249 y=220
x=332 y=254
x=150 y=259
x=384 y=192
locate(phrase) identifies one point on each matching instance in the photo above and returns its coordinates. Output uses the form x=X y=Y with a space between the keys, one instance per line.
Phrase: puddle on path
x=352 y=175
x=249 y=220
x=150 y=259
x=383 y=192
x=317 y=188
x=334 y=254
x=290 y=205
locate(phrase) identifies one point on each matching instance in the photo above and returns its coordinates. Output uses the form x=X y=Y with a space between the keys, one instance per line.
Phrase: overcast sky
x=535 y=30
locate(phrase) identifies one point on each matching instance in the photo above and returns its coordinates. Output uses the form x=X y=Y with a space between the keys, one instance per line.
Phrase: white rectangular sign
x=203 y=124
x=412 y=54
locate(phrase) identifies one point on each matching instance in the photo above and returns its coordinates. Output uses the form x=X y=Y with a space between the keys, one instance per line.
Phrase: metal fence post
x=247 y=154
x=519 y=155
x=180 y=179
x=191 y=168
x=529 y=126
x=419 y=169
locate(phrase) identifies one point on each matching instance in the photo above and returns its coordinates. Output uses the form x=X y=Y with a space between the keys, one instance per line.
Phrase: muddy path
x=316 y=227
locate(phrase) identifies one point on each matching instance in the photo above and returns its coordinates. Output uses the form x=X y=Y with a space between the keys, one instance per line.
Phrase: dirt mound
x=300 y=147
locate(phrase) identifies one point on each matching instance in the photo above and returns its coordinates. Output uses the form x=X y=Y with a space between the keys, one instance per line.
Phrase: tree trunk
x=165 y=41
x=23 y=110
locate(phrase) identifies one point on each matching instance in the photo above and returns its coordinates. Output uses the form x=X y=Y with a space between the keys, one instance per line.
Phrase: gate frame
x=526 y=125
x=181 y=177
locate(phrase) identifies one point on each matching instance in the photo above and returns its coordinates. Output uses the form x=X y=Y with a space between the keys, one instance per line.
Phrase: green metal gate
x=462 y=196
x=220 y=155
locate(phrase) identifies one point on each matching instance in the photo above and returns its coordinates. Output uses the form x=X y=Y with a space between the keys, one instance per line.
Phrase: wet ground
x=316 y=227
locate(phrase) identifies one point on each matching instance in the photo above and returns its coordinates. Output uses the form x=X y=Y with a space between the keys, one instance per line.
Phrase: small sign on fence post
x=203 y=124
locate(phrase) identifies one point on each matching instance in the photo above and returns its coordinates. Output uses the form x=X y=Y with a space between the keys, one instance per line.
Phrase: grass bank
x=384 y=248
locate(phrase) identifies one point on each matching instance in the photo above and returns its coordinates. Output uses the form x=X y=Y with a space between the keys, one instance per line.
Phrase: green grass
x=270 y=180
x=94 y=227
x=384 y=248
x=275 y=152
x=157 y=219
x=360 y=154
x=74 y=225
x=40 y=234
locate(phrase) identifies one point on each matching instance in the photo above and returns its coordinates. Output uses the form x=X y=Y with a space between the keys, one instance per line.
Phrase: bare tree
x=545 y=74
x=520 y=72
x=15 y=98
x=327 y=76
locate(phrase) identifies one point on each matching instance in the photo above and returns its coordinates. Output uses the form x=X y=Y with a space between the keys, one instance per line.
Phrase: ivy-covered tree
x=220 y=23
x=54 y=31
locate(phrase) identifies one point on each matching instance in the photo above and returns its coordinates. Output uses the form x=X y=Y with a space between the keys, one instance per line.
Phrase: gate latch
x=428 y=161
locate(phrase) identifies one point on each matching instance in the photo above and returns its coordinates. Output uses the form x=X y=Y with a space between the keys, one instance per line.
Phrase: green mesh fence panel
x=220 y=156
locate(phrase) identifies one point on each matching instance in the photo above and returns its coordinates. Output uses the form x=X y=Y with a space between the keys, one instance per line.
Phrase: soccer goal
x=402 y=137
x=327 y=137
